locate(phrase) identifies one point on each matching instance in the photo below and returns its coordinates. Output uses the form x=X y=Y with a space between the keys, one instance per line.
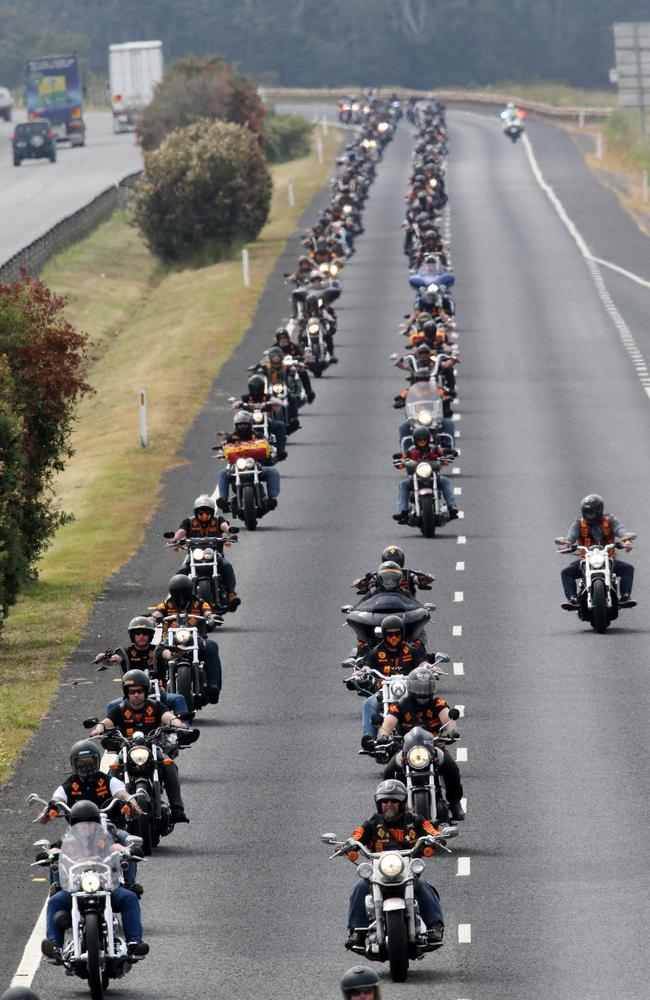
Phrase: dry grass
x=552 y=92
x=149 y=329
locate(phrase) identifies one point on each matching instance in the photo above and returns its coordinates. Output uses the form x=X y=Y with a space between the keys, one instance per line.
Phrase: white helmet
x=205 y=502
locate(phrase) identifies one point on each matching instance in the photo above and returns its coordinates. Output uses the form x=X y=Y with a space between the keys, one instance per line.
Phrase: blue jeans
x=175 y=702
x=370 y=707
x=124 y=901
x=405 y=485
x=426 y=895
x=572 y=573
x=271 y=475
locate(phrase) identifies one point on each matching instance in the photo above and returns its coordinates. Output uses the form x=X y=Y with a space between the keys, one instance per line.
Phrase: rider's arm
x=443 y=715
x=105 y=724
x=389 y=723
x=169 y=719
x=573 y=534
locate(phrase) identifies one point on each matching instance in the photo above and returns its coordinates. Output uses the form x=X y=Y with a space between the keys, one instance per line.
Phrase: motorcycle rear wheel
x=184 y=684
x=95 y=974
x=398 y=955
x=428 y=517
x=248 y=505
x=599 y=614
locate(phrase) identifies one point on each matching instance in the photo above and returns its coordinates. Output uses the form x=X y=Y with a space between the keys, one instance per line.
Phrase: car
x=6 y=104
x=33 y=140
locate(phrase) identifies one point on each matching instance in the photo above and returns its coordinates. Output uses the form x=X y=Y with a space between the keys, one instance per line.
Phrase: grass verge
x=150 y=329
x=553 y=92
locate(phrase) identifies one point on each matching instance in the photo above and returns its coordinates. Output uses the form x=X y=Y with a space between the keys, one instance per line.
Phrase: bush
x=194 y=89
x=206 y=188
x=287 y=137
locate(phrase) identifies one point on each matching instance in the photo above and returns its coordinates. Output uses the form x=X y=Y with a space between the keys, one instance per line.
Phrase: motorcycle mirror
x=394 y=357
x=346 y=608
x=233 y=531
x=90 y=723
x=449 y=832
x=133 y=841
x=454 y=714
x=397 y=455
x=168 y=534
x=43 y=844
x=328 y=838
x=431 y=607
x=232 y=399
x=185 y=716
x=33 y=797
x=631 y=535
x=561 y=540
x=441 y=657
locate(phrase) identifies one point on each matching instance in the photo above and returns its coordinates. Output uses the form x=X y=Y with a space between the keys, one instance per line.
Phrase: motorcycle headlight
x=139 y=755
x=418 y=757
x=391 y=865
x=199 y=555
x=425 y=418
x=277 y=389
x=241 y=464
x=313 y=328
x=258 y=417
x=90 y=882
x=250 y=463
x=597 y=560
x=324 y=268
x=382 y=127
x=183 y=635
x=364 y=870
x=333 y=269
x=397 y=690
x=432 y=288
x=417 y=866
x=423 y=470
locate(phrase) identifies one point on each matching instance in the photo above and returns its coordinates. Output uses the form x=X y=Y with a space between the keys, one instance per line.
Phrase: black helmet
x=421 y=434
x=421 y=685
x=392 y=623
x=141 y=624
x=85 y=757
x=84 y=812
x=180 y=590
x=390 y=575
x=282 y=332
x=22 y=993
x=391 y=789
x=304 y=263
x=392 y=553
x=243 y=424
x=135 y=678
x=424 y=317
x=276 y=354
x=321 y=243
x=256 y=387
x=360 y=978
x=592 y=507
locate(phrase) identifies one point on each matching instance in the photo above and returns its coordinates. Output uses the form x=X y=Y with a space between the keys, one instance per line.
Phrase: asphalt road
x=38 y=194
x=555 y=727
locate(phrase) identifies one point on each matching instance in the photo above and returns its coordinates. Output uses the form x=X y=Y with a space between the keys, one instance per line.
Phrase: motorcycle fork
x=378 y=900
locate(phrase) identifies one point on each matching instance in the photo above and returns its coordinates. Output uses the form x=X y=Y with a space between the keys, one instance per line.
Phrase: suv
x=33 y=141
x=6 y=104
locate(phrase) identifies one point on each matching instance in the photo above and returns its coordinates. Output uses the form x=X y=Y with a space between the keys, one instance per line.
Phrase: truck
x=134 y=69
x=53 y=91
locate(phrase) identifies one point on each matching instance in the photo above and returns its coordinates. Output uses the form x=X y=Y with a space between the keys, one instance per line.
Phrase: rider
x=124 y=900
x=285 y=343
x=182 y=601
x=390 y=828
x=411 y=578
x=420 y=707
x=594 y=527
x=392 y=656
x=358 y=983
x=422 y=450
x=511 y=115
x=273 y=368
x=206 y=524
x=243 y=431
x=137 y=711
x=256 y=398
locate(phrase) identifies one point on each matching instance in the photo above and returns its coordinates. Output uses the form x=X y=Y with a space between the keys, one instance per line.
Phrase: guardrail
x=69 y=230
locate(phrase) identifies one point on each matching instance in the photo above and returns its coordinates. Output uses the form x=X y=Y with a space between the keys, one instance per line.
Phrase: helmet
x=304 y=263
x=276 y=354
x=421 y=685
x=84 y=812
x=510 y=105
x=390 y=575
x=243 y=424
x=356 y=979
x=392 y=553
x=204 y=502
x=421 y=434
x=135 y=678
x=22 y=993
x=180 y=591
x=85 y=757
x=392 y=623
x=423 y=351
x=141 y=624
x=256 y=387
x=422 y=374
x=592 y=507
x=391 y=789
x=282 y=332
x=321 y=243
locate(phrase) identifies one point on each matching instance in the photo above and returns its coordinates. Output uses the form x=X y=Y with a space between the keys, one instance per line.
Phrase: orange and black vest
x=208 y=530
x=378 y=836
x=608 y=533
x=138 y=659
x=196 y=606
x=96 y=790
x=128 y=721
x=393 y=661
x=409 y=714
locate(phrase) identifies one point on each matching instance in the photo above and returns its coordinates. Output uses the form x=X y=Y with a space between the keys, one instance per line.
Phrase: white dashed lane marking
x=457 y=630
x=458 y=491
x=464 y=934
x=458 y=597
x=459 y=669
x=461 y=755
x=461 y=540
x=460 y=566
x=464 y=867
x=461 y=710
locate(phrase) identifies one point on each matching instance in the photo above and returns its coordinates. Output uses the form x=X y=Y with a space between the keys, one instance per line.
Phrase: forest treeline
x=417 y=43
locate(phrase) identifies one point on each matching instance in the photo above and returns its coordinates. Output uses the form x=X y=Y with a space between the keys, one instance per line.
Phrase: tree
x=205 y=188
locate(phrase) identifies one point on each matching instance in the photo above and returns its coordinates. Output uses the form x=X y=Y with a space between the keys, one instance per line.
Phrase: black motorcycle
x=366 y=616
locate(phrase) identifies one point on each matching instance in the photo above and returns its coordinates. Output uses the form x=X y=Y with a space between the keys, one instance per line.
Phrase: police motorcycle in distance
x=89 y=868
x=366 y=616
x=396 y=932
x=597 y=591
x=202 y=554
x=427 y=509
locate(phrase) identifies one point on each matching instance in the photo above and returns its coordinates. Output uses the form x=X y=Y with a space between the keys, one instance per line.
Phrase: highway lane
x=557 y=895
x=38 y=194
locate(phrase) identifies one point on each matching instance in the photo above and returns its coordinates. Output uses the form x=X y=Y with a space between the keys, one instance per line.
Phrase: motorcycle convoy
x=123 y=795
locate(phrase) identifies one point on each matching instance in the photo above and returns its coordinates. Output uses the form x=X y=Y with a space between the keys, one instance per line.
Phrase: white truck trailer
x=134 y=69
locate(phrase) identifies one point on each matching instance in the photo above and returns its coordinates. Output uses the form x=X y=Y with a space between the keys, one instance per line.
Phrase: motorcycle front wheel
x=144 y=831
x=599 y=614
x=421 y=804
x=248 y=505
x=428 y=517
x=184 y=684
x=94 y=960
x=398 y=955
x=204 y=591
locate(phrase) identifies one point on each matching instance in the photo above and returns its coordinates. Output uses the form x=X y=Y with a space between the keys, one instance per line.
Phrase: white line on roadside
x=460 y=566
x=461 y=755
x=459 y=669
x=461 y=540
x=464 y=867
x=458 y=597
x=621 y=270
x=32 y=954
x=457 y=630
x=464 y=934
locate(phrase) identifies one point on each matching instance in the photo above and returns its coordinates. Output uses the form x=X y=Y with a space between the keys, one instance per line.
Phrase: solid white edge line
x=31 y=959
x=621 y=270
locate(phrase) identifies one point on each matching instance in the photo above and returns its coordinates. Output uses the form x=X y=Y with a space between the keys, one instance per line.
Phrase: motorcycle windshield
x=86 y=844
x=384 y=603
x=424 y=396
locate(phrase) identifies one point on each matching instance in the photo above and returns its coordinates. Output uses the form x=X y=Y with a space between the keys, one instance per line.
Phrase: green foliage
x=194 y=89
x=623 y=130
x=287 y=137
x=42 y=360
x=205 y=188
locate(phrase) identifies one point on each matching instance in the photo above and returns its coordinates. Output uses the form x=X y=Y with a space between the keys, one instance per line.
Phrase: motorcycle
x=366 y=616
x=427 y=506
x=393 y=686
x=90 y=870
x=396 y=932
x=513 y=131
x=598 y=601
x=203 y=559
x=246 y=479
